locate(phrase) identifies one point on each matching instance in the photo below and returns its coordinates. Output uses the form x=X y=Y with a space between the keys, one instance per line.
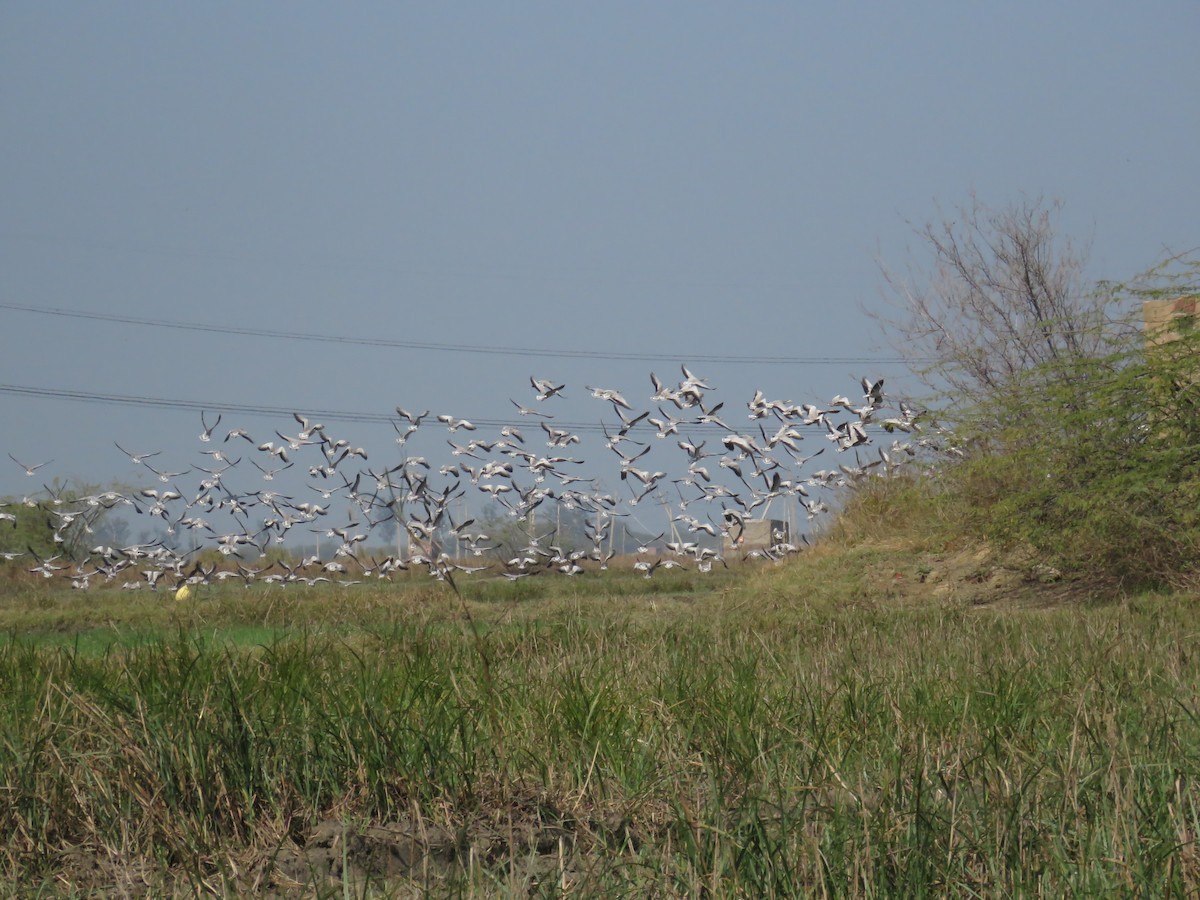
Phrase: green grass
x=789 y=733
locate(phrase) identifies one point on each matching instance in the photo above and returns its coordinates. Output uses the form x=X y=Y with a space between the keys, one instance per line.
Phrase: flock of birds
x=727 y=476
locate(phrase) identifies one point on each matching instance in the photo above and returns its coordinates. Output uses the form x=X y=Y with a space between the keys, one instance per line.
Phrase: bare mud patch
x=411 y=857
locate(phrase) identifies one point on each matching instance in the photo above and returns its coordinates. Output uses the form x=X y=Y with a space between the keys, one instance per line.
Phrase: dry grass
x=805 y=730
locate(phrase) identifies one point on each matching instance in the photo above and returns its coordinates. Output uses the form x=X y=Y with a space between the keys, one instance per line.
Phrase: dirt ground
x=529 y=852
x=979 y=576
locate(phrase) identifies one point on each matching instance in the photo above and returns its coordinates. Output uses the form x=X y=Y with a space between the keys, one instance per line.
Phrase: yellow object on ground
x=183 y=593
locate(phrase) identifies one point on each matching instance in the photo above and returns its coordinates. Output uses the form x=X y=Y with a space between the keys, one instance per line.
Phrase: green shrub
x=1097 y=467
x=1094 y=465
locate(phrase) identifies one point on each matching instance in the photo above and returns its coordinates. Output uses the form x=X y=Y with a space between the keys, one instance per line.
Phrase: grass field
x=806 y=730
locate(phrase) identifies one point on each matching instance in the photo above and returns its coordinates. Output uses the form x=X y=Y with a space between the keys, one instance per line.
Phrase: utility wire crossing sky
x=305 y=206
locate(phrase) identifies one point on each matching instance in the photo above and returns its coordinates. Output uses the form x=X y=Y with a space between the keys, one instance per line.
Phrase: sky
x=580 y=192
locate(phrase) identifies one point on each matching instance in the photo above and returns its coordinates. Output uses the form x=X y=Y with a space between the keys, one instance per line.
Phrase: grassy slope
x=854 y=723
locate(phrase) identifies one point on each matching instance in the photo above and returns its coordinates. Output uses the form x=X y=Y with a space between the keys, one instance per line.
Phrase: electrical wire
x=453 y=348
x=223 y=406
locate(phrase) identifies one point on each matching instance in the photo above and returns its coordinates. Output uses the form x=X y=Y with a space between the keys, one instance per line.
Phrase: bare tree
x=1004 y=294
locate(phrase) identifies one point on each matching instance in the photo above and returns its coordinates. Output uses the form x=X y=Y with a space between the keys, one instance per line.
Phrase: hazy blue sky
x=668 y=179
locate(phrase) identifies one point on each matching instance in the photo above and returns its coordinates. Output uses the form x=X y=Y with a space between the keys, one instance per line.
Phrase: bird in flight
x=612 y=396
x=29 y=470
x=526 y=411
x=546 y=388
x=206 y=434
x=136 y=458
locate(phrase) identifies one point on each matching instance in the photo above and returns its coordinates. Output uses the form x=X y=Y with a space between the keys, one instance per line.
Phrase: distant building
x=1163 y=320
x=759 y=534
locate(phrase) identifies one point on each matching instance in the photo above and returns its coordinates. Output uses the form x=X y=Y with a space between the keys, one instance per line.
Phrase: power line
x=223 y=406
x=451 y=348
x=427 y=268
x=250 y=408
